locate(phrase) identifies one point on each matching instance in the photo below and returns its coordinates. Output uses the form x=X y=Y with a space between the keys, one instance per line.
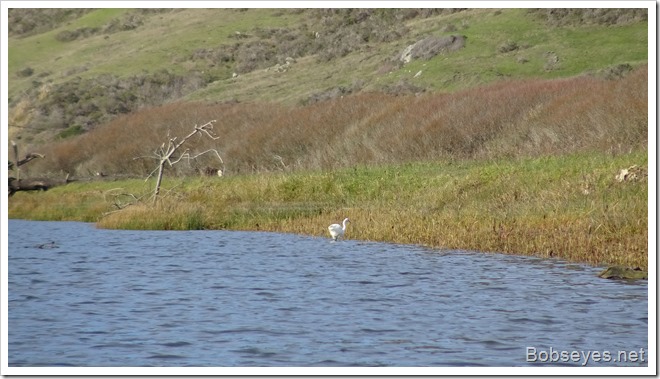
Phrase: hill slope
x=84 y=68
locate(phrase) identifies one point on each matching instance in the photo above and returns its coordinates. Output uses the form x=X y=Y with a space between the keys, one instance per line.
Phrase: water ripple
x=127 y=298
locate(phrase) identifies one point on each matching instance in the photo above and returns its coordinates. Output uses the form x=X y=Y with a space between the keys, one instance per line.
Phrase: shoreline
x=569 y=207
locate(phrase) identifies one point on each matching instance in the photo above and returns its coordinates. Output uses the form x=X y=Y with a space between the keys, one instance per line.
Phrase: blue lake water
x=81 y=296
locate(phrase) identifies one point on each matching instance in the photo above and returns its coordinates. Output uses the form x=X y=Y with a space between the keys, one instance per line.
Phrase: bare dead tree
x=28 y=157
x=166 y=153
x=35 y=184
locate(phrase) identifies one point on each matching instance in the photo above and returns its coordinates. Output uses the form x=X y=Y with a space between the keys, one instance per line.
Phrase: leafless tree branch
x=165 y=154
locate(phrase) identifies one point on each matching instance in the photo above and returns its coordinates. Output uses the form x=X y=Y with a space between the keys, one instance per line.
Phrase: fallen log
x=18 y=184
x=35 y=184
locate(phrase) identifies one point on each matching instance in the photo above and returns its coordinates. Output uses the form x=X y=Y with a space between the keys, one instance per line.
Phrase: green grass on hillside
x=168 y=40
x=582 y=49
x=588 y=48
x=164 y=41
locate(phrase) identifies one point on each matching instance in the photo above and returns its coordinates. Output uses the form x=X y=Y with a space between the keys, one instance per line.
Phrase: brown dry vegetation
x=506 y=119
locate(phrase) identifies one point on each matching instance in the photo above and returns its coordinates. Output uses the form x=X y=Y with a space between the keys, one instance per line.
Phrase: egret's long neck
x=343 y=225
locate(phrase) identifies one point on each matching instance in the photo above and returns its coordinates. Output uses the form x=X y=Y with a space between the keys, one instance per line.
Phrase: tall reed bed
x=507 y=119
x=569 y=207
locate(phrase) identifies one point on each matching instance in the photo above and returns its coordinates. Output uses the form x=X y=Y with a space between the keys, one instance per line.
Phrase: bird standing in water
x=337 y=230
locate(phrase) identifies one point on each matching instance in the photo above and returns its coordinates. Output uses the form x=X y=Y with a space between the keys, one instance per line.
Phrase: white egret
x=337 y=230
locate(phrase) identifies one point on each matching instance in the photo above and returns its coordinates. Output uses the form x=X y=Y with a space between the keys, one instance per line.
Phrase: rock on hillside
x=431 y=46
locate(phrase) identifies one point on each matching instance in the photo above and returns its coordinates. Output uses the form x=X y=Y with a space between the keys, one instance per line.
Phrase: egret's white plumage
x=337 y=230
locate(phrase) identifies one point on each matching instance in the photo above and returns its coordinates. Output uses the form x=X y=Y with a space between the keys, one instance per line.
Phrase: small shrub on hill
x=253 y=55
x=71 y=131
x=71 y=35
x=328 y=33
x=616 y=71
x=507 y=47
x=126 y=22
x=27 y=21
x=581 y=16
x=332 y=93
x=90 y=102
x=24 y=73
x=403 y=87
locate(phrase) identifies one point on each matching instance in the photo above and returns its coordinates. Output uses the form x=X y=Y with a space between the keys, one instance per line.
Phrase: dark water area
x=81 y=296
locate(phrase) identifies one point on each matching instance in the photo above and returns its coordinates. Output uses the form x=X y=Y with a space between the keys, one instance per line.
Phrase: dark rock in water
x=621 y=272
x=49 y=245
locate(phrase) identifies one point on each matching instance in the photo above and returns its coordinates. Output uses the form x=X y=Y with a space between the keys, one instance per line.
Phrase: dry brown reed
x=505 y=119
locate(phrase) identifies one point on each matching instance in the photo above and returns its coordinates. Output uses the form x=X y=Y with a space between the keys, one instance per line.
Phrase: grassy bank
x=568 y=206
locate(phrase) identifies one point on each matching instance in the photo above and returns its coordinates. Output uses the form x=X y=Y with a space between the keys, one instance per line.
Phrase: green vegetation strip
x=569 y=207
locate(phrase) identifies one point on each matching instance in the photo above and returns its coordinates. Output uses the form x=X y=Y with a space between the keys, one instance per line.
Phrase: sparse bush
x=340 y=45
x=348 y=30
x=71 y=35
x=126 y=22
x=507 y=47
x=342 y=31
x=71 y=131
x=551 y=61
x=90 y=102
x=27 y=21
x=75 y=70
x=581 y=16
x=390 y=65
x=221 y=54
x=24 y=73
x=333 y=93
x=403 y=87
x=616 y=71
x=148 y=11
x=254 y=55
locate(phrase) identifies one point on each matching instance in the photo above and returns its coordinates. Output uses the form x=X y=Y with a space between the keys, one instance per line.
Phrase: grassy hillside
x=88 y=68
